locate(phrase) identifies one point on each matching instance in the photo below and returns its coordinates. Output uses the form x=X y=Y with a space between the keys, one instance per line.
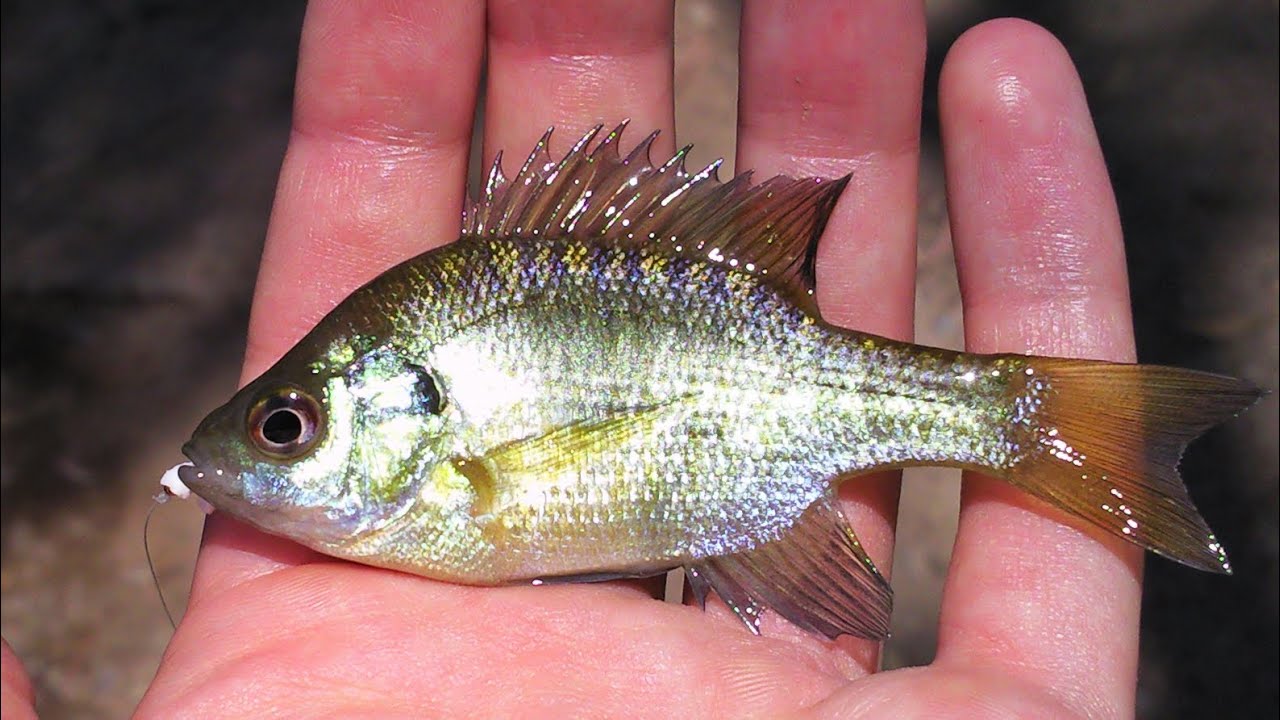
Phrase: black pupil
x=282 y=427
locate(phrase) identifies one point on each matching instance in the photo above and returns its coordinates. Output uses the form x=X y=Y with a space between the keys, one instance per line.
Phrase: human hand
x=1039 y=619
x=16 y=697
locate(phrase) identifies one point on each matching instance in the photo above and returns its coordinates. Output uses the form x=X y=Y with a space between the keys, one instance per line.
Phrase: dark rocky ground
x=140 y=145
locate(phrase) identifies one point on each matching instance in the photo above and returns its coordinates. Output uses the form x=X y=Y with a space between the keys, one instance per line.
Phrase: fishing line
x=159 y=499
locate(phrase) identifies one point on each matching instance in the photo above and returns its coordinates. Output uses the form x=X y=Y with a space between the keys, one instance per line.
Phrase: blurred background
x=141 y=140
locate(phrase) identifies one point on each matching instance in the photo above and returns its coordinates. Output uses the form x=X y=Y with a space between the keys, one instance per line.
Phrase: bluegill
x=620 y=369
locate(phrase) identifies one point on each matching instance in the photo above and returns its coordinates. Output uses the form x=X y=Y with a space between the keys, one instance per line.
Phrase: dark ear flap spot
x=428 y=391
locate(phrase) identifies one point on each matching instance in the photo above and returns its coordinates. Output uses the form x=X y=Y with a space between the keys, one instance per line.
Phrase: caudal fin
x=1105 y=443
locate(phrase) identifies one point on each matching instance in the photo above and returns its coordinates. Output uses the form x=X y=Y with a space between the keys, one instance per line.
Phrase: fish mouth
x=194 y=473
x=201 y=476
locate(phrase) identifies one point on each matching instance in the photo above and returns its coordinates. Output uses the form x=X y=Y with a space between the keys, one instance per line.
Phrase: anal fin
x=707 y=576
x=816 y=575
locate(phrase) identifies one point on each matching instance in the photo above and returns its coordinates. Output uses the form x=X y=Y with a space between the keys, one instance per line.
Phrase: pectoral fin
x=817 y=576
x=567 y=446
x=559 y=457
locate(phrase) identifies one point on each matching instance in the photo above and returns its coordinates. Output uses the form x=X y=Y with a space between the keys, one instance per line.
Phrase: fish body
x=620 y=369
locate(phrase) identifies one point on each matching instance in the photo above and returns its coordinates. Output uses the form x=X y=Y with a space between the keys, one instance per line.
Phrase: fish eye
x=284 y=423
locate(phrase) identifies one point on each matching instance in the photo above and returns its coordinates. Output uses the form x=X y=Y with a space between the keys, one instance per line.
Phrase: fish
x=620 y=369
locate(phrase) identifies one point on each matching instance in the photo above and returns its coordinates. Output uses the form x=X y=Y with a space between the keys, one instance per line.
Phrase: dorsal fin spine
x=579 y=148
x=539 y=151
x=609 y=145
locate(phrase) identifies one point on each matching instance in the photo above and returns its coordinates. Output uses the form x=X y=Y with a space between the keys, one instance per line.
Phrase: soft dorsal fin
x=769 y=230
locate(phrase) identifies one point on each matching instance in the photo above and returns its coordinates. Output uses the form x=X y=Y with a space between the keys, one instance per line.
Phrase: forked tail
x=1103 y=441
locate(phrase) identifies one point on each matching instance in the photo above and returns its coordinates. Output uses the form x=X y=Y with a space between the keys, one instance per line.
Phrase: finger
x=1041 y=267
x=377 y=159
x=17 y=699
x=575 y=65
x=374 y=174
x=830 y=88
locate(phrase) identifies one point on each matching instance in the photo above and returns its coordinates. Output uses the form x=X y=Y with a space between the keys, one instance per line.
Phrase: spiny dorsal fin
x=770 y=230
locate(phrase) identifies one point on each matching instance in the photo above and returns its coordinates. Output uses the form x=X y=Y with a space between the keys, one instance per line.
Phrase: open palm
x=1039 y=618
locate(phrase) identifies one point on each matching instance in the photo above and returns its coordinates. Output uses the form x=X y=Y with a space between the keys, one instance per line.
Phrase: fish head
x=322 y=451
